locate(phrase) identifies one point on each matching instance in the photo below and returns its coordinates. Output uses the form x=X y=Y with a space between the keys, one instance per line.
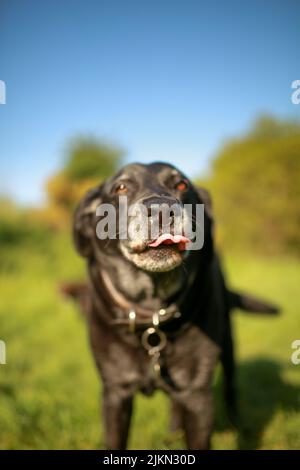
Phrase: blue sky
x=167 y=80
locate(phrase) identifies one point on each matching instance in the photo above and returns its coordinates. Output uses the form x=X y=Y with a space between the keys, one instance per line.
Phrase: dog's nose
x=158 y=203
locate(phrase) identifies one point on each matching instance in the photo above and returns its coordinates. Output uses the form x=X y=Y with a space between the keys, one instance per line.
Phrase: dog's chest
x=187 y=363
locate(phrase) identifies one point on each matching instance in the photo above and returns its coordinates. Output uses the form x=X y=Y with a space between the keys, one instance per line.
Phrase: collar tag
x=132 y=318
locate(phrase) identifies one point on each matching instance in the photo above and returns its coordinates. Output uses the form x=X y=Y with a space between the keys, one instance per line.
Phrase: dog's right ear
x=83 y=230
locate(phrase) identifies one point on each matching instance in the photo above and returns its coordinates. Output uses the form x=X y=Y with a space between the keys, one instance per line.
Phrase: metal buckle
x=155 y=319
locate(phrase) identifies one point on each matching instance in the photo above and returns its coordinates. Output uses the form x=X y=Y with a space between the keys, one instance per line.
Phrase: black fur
x=196 y=340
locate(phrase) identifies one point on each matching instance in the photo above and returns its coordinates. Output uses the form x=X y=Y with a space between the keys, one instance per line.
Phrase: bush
x=255 y=184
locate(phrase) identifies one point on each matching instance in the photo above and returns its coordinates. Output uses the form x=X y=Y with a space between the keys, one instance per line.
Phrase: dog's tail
x=79 y=292
x=251 y=304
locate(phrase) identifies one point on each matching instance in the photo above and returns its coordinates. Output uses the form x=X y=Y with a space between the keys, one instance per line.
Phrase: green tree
x=255 y=183
x=88 y=162
x=88 y=157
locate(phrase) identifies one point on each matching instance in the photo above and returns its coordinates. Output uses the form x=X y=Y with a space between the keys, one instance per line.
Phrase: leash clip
x=155 y=365
x=154 y=341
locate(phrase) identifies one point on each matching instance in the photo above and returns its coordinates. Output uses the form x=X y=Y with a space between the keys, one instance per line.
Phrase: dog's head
x=147 y=213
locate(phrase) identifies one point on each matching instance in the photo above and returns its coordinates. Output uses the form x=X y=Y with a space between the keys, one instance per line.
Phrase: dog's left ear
x=205 y=198
x=83 y=230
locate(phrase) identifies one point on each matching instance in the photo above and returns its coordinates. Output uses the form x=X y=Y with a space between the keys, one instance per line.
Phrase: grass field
x=49 y=388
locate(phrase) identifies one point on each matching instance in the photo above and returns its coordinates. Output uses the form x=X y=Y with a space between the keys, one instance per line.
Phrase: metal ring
x=148 y=346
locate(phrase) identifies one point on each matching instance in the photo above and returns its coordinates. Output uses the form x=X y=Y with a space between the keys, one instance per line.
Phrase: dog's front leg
x=117 y=410
x=198 y=415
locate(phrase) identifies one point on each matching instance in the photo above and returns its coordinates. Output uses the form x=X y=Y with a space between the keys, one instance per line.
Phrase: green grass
x=49 y=388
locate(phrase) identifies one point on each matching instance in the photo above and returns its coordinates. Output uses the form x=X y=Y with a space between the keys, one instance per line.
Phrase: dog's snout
x=162 y=210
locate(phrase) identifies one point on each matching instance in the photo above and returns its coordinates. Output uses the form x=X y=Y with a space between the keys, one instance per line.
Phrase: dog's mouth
x=178 y=241
x=159 y=255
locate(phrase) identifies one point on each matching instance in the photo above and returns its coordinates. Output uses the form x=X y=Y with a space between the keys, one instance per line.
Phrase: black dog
x=158 y=315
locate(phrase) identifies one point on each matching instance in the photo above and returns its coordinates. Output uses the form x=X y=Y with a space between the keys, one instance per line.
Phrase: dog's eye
x=181 y=185
x=121 y=189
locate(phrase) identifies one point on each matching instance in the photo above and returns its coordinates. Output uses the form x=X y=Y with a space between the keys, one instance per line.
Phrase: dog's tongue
x=168 y=239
